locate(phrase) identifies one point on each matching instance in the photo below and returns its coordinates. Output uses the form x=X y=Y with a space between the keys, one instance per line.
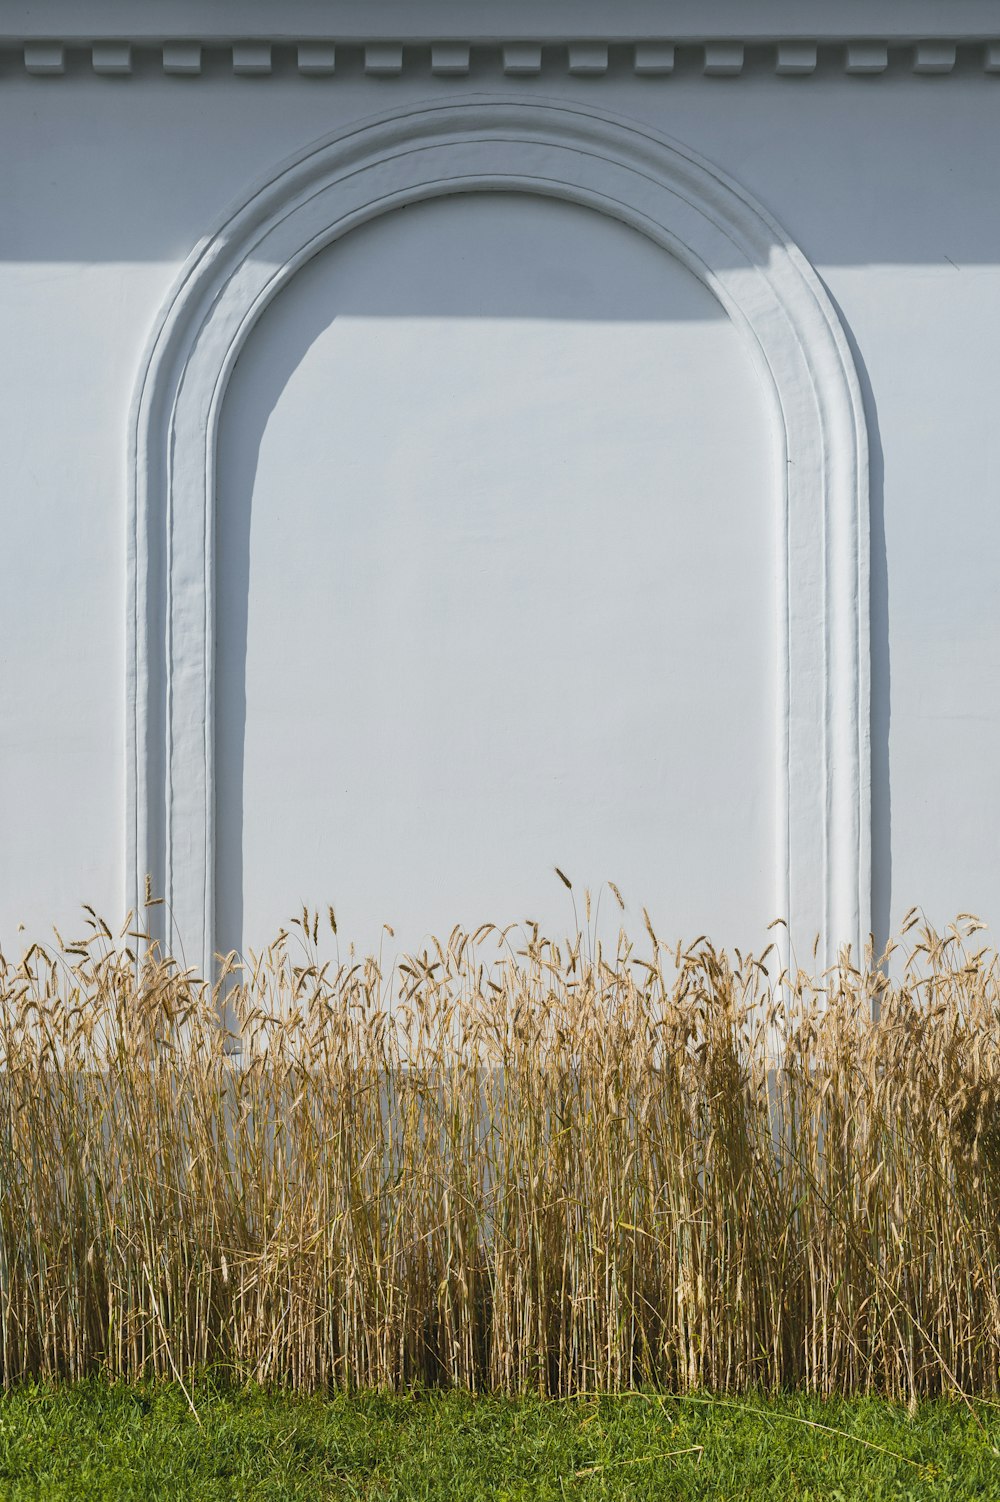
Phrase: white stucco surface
x=504 y=434
x=506 y=605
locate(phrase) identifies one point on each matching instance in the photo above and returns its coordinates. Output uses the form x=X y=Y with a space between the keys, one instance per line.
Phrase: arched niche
x=763 y=283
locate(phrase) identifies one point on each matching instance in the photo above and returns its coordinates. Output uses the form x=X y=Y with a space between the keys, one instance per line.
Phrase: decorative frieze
x=725 y=58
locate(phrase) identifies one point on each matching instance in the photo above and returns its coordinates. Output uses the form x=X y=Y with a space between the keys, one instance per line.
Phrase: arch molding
x=822 y=858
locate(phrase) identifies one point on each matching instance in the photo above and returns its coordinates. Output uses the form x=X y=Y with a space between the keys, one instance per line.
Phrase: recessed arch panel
x=764 y=284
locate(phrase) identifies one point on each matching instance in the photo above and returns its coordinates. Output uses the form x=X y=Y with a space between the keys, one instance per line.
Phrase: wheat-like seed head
x=507 y=1161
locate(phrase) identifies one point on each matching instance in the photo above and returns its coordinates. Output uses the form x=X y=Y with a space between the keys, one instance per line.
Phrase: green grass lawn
x=99 y=1440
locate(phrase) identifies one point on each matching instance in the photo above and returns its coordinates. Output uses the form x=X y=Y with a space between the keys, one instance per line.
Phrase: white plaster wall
x=498 y=471
x=889 y=185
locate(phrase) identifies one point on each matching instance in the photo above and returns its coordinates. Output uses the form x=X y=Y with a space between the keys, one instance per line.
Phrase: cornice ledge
x=220 y=23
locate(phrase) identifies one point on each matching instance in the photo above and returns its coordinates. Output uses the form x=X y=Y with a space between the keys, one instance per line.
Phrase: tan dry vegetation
x=505 y=1163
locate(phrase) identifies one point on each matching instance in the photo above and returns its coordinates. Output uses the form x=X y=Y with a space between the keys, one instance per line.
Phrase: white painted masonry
x=606 y=403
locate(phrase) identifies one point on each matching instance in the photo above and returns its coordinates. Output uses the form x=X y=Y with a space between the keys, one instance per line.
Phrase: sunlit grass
x=117 y=1441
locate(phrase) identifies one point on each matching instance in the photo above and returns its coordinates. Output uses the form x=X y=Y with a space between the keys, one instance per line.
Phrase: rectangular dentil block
x=795 y=59
x=383 y=60
x=867 y=57
x=588 y=58
x=934 y=57
x=654 y=59
x=251 y=58
x=182 y=58
x=450 y=59
x=723 y=59
x=522 y=58
x=317 y=59
x=44 y=57
x=111 y=57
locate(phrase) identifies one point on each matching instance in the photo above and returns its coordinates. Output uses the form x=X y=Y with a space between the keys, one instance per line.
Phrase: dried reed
x=504 y=1163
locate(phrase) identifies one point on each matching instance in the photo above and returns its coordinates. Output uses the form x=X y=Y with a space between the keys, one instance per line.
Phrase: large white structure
x=447 y=439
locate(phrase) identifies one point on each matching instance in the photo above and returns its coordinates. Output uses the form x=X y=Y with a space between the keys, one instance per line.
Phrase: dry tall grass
x=504 y=1163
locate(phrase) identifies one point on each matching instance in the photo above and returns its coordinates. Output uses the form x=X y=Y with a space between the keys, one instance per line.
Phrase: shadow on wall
x=921 y=199
x=881 y=677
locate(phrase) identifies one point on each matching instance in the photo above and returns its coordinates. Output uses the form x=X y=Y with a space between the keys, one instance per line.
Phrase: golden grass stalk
x=504 y=1163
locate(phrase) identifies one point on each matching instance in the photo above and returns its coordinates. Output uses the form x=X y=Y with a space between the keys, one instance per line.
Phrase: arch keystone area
x=768 y=289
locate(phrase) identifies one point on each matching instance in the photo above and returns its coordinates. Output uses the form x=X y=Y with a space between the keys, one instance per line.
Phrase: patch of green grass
x=115 y=1441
